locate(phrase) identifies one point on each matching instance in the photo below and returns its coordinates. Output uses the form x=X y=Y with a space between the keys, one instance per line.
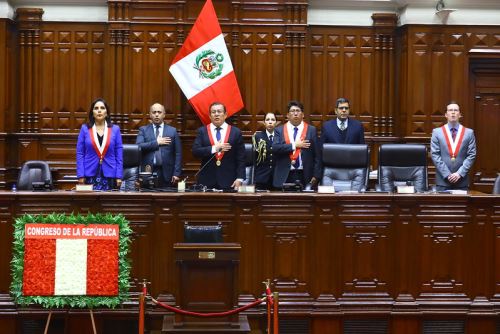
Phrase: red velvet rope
x=209 y=315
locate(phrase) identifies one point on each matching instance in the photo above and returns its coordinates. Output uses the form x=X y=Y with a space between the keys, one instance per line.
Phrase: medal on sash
x=453 y=146
x=100 y=150
x=295 y=154
x=218 y=155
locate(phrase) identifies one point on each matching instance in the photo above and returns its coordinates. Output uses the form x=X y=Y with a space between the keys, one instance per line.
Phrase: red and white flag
x=203 y=68
x=66 y=260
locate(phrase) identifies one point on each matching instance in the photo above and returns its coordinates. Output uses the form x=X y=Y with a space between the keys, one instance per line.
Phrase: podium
x=208 y=282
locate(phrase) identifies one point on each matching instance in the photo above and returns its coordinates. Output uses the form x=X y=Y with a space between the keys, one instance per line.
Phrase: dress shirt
x=346 y=122
x=290 y=128
x=223 y=129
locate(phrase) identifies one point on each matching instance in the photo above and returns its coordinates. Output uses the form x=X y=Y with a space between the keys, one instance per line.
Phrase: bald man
x=161 y=147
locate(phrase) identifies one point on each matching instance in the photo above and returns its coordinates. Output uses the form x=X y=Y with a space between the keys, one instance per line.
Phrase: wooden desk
x=402 y=258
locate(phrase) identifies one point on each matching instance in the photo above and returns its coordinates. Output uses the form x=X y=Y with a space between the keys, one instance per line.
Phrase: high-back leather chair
x=202 y=233
x=496 y=186
x=400 y=164
x=249 y=164
x=131 y=166
x=33 y=171
x=346 y=166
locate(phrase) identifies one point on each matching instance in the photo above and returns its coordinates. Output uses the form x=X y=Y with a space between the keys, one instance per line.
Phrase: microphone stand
x=196 y=185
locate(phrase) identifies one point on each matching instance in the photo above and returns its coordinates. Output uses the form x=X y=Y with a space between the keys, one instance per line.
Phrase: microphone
x=196 y=186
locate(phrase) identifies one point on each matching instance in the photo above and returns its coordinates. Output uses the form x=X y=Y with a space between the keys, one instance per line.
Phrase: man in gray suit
x=161 y=147
x=453 y=150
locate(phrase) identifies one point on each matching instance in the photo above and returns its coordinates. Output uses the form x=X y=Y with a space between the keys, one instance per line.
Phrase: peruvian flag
x=203 y=69
x=65 y=260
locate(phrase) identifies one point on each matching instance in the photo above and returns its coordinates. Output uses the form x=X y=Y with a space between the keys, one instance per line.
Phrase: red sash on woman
x=295 y=154
x=100 y=150
x=453 y=146
x=218 y=155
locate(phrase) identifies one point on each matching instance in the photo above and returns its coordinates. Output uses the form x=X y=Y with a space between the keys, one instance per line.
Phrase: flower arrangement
x=71 y=260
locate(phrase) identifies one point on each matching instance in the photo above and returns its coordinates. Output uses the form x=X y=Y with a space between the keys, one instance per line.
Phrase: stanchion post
x=267 y=283
x=275 y=313
x=142 y=300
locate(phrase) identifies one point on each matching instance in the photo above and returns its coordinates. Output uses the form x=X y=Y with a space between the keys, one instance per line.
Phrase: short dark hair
x=270 y=112
x=216 y=103
x=342 y=100
x=91 y=121
x=294 y=103
x=452 y=102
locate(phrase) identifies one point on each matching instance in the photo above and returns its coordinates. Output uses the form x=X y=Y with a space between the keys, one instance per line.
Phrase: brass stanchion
x=275 y=313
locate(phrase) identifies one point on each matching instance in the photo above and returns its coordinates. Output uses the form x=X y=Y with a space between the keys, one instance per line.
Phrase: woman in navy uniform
x=263 y=146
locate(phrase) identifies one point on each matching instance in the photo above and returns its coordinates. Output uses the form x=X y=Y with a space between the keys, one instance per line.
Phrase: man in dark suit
x=161 y=147
x=221 y=149
x=264 y=159
x=453 y=151
x=296 y=150
x=342 y=130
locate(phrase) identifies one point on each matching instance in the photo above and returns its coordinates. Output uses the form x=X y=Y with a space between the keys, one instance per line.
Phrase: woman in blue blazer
x=99 y=150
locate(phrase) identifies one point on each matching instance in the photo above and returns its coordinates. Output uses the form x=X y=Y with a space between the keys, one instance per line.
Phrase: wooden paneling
x=398 y=79
x=337 y=261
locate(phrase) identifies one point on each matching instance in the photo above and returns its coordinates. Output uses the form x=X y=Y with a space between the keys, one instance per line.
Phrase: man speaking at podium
x=221 y=149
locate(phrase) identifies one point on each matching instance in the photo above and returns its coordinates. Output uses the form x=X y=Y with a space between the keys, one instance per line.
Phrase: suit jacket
x=171 y=155
x=355 y=133
x=310 y=157
x=442 y=160
x=264 y=170
x=87 y=160
x=232 y=164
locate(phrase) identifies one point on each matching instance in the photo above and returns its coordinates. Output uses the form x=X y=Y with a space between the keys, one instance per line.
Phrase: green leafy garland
x=17 y=263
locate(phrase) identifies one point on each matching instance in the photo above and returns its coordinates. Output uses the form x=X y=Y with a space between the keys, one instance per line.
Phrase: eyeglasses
x=343 y=108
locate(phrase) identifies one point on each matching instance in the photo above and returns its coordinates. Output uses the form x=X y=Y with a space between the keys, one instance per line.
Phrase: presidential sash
x=453 y=146
x=99 y=149
x=295 y=154
x=218 y=155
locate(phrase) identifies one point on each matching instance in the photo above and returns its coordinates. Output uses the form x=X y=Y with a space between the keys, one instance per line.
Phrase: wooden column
x=384 y=88
x=29 y=21
x=118 y=93
x=295 y=53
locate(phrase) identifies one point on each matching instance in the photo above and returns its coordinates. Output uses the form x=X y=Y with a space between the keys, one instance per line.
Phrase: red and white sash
x=453 y=146
x=295 y=154
x=99 y=149
x=218 y=155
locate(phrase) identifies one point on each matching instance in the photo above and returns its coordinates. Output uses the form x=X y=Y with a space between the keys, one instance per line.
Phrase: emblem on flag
x=209 y=64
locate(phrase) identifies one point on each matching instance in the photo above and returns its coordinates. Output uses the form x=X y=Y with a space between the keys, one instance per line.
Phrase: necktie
x=157 y=161
x=271 y=138
x=342 y=125
x=453 y=133
x=217 y=133
x=297 y=162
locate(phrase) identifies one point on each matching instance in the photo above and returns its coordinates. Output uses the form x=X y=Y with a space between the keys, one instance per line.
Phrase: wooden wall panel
x=337 y=261
x=276 y=56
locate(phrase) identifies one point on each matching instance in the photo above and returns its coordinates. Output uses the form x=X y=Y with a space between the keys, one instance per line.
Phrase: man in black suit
x=342 y=130
x=161 y=147
x=221 y=149
x=296 y=150
x=264 y=160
